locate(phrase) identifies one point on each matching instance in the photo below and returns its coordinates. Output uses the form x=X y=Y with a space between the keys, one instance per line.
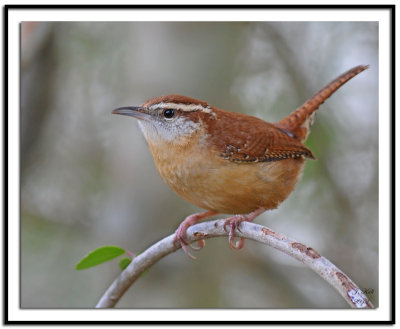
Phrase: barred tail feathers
x=299 y=122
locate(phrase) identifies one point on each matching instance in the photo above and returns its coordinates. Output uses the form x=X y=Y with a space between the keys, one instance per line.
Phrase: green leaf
x=124 y=262
x=98 y=256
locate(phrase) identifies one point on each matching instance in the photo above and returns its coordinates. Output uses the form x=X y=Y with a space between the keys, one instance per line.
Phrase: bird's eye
x=169 y=113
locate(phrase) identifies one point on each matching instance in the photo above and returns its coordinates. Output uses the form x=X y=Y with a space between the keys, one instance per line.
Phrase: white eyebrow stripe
x=182 y=107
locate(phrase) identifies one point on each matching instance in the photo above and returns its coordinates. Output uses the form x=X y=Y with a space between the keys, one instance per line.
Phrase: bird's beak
x=136 y=112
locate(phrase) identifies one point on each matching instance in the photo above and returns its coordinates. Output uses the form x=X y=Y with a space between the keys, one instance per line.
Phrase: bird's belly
x=232 y=188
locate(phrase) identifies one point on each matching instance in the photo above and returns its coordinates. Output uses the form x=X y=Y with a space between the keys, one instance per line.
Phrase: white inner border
x=16 y=16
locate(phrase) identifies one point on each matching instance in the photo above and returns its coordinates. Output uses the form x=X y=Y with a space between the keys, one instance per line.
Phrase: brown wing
x=243 y=138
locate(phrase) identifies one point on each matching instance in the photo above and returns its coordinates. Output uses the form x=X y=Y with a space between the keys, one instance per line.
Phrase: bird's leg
x=234 y=222
x=180 y=234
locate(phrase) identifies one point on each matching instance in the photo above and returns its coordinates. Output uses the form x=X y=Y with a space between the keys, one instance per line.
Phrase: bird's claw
x=234 y=223
x=180 y=234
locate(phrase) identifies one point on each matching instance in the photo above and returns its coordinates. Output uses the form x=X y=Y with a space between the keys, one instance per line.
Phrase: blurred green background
x=88 y=178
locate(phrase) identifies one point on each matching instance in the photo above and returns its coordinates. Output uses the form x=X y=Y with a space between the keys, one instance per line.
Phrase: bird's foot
x=234 y=223
x=180 y=234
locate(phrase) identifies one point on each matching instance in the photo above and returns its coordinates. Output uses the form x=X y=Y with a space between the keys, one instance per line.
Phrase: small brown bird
x=227 y=162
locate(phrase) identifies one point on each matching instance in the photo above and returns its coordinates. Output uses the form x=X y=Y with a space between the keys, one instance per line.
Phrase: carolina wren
x=227 y=162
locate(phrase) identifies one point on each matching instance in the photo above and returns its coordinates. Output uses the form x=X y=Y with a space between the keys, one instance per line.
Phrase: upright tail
x=299 y=122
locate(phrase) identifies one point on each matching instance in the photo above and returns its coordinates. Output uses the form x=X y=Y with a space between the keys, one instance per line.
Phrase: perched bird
x=227 y=162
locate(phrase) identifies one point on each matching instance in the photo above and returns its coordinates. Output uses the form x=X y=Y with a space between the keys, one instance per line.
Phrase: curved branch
x=307 y=255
